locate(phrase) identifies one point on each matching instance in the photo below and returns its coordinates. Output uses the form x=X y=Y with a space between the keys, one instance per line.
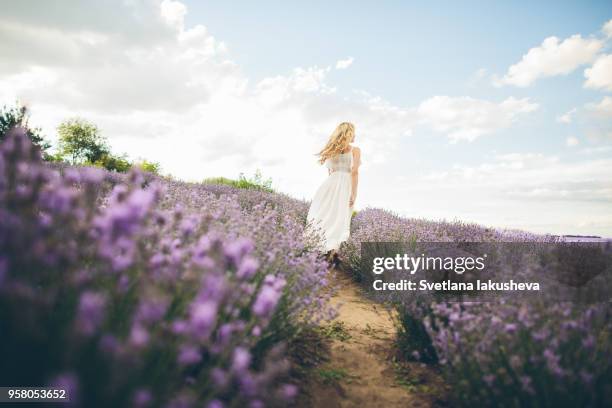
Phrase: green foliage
x=81 y=142
x=18 y=116
x=149 y=166
x=111 y=162
x=412 y=336
x=254 y=183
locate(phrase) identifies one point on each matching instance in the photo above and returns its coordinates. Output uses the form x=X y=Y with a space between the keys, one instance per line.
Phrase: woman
x=332 y=206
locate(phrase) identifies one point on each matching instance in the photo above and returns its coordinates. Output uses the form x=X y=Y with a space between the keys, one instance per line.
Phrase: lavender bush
x=133 y=290
x=525 y=354
x=511 y=352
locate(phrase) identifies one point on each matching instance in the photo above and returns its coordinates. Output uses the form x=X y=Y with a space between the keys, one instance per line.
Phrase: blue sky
x=404 y=50
x=492 y=112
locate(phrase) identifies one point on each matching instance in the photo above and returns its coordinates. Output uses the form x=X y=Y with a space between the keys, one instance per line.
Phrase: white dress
x=329 y=213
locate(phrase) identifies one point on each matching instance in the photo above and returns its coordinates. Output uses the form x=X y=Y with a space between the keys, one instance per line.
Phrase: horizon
x=459 y=116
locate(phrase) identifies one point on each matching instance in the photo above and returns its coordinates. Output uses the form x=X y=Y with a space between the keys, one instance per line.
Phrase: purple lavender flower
x=215 y=404
x=220 y=378
x=189 y=354
x=248 y=267
x=526 y=384
x=203 y=317
x=510 y=327
x=142 y=398
x=241 y=359
x=234 y=251
x=266 y=301
x=90 y=312
x=489 y=379
x=139 y=336
x=109 y=343
x=152 y=310
x=289 y=391
x=70 y=383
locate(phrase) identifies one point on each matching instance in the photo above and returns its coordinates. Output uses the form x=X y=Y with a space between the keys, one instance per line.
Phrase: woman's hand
x=351 y=201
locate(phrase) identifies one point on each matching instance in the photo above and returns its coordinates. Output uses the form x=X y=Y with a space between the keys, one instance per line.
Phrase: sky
x=498 y=113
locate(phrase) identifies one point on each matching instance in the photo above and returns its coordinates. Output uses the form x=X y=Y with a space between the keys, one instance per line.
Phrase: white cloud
x=169 y=92
x=465 y=118
x=603 y=109
x=553 y=57
x=344 y=63
x=567 y=116
x=529 y=190
x=607 y=28
x=150 y=82
x=173 y=12
x=572 y=141
x=598 y=120
x=177 y=87
x=599 y=76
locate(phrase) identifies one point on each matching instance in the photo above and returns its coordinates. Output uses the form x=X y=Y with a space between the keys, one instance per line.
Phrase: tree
x=18 y=116
x=81 y=142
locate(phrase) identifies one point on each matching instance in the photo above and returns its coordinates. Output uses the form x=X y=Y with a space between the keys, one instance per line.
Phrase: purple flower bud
x=179 y=327
x=289 y=391
x=266 y=301
x=235 y=250
x=139 y=336
x=248 y=267
x=526 y=384
x=109 y=343
x=90 y=313
x=588 y=342
x=215 y=404
x=142 y=398
x=247 y=384
x=489 y=379
x=241 y=359
x=189 y=355
x=70 y=383
x=203 y=317
x=219 y=377
x=151 y=310
x=510 y=327
x=256 y=404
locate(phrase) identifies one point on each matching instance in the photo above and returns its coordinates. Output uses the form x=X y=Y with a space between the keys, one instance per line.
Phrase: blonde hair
x=338 y=141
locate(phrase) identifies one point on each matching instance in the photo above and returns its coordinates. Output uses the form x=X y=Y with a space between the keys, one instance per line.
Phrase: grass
x=306 y=352
x=407 y=379
x=334 y=375
x=335 y=331
x=254 y=183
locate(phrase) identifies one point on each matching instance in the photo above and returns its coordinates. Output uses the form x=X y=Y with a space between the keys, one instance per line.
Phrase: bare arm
x=355 y=175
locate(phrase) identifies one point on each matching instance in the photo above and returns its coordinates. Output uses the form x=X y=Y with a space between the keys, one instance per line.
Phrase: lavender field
x=131 y=290
x=536 y=351
x=137 y=290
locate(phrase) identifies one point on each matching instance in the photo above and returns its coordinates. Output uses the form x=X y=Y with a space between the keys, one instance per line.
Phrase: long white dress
x=329 y=213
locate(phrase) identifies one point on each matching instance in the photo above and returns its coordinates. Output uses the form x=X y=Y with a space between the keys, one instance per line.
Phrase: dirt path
x=360 y=372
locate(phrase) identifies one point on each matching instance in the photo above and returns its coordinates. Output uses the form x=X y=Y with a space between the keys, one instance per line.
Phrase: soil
x=359 y=369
